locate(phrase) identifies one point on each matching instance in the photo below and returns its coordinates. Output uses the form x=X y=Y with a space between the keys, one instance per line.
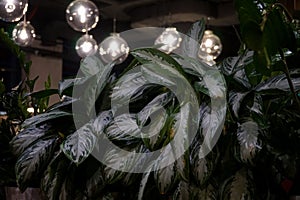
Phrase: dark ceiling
x=48 y=18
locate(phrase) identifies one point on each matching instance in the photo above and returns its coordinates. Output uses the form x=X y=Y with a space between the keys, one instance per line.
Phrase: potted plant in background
x=15 y=103
x=256 y=156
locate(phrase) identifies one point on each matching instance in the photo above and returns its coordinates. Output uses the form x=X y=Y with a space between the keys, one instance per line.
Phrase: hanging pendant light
x=170 y=40
x=210 y=47
x=82 y=15
x=12 y=10
x=23 y=34
x=113 y=48
x=86 y=46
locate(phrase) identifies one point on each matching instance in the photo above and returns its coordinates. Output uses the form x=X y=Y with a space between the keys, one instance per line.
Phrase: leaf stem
x=288 y=76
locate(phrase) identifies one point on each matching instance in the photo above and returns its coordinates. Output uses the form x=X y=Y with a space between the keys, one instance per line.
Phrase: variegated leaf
x=78 y=146
x=247 y=135
x=44 y=117
x=192 y=40
x=165 y=177
x=27 y=137
x=34 y=160
x=239 y=186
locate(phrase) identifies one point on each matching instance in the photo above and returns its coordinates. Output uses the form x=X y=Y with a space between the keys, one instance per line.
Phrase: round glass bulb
x=113 y=48
x=82 y=15
x=23 y=34
x=12 y=10
x=170 y=40
x=86 y=45
x=210 y=47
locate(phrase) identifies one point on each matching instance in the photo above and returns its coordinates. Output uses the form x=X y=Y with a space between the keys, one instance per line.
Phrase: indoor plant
x=256 y=156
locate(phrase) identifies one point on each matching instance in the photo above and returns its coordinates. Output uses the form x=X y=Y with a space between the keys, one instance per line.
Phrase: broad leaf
x=42 y=93
x=231 y=65
x=80 y=144
x=44 y=117
x=27 y=137
x=123 y=127
x=236 y=100
x=67 y=84
x=202 y=168
x=247 y=135
x=165 y=177
x=239 y=186
x=65 y=104
x=192 y=40
x=97 y=78
x=54 y=177
x=91 y=65
x=280 y=83
x=129 y=85
x=156 y=113
x=154 y=56
x=34 y=160
x=119 y=162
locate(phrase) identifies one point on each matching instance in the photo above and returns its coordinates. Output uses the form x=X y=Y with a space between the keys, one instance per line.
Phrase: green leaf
x=154 y=56
x=78 y=146
x=202 y=167
x=123 y=127
x=236 y=100
x=280 y=83
x=155 y=112
x=247 y=135
x=231 y=65
x=91 y=65
x=42 y=93
x=165 y=177
x=90 y=90
x=44 y=117
x=191 y=41
x=65 y=104
x=54 y=177
x=27 y=137
x=133 y=84
x=120 y=162
x=238 y=186
x=34 y=160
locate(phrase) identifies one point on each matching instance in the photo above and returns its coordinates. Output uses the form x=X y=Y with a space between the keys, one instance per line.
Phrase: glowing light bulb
x=23 y=34
x=86 y=46
x=113 y=48
x=210 y=47
x=12 y=10
x=170 y=40
x=82 y=15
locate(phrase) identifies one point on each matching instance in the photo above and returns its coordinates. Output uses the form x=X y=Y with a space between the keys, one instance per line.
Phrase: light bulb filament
x=82 y=13
x=23 y=35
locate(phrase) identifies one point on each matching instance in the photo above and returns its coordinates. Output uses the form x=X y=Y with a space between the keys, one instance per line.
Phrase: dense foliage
x=256 y=156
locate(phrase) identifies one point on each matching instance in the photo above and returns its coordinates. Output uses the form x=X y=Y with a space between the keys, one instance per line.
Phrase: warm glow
x=86 y=47
x=30 y=110
x=23 y=35
x=10 y=6
x=208 y=43
x=82 y=13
